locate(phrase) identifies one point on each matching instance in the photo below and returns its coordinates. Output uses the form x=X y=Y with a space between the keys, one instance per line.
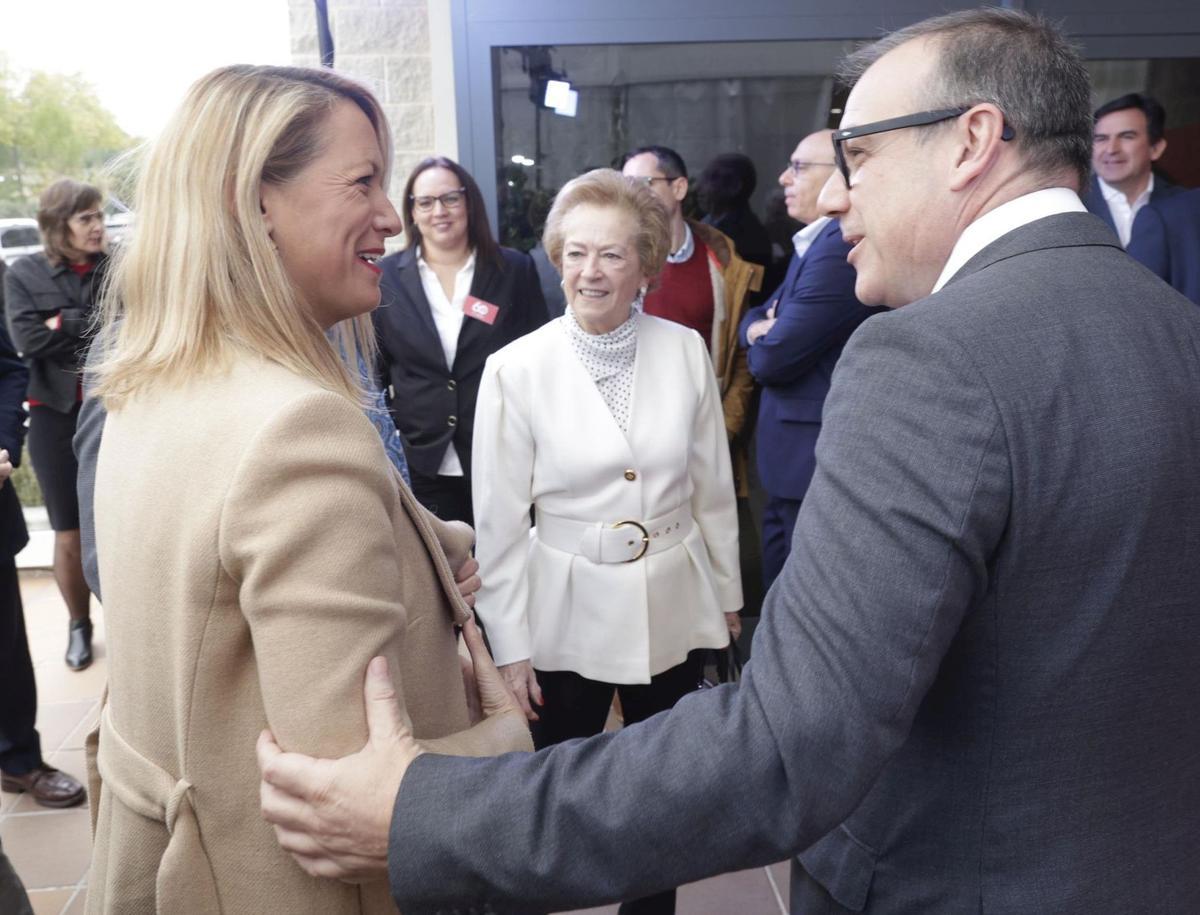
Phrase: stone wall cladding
x=384 y=44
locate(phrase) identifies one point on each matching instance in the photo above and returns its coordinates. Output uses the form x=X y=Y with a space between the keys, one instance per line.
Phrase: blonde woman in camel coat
x=256 y=547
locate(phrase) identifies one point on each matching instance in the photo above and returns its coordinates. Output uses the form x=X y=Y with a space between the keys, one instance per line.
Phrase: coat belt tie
x=185 y=881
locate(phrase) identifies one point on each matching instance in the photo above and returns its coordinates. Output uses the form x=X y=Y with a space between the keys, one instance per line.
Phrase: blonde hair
x=200 y=277
x=605 y=187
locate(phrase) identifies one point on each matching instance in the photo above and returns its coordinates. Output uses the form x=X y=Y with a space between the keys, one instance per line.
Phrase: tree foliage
x=51 y=126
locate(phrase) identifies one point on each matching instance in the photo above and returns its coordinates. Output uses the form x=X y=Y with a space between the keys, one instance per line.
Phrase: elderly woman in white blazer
x=608 y=422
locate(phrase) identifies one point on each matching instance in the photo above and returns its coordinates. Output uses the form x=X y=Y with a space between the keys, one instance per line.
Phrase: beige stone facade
x=402 y=50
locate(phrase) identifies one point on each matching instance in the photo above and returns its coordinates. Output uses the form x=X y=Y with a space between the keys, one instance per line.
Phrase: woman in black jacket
x=49 y=298
x=450 y=299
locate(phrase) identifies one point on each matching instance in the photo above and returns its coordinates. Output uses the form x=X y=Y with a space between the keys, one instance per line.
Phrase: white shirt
x=685 y=250
x=1008 y=216
x=1123 y=213
x=803 y=239
x=447 y=318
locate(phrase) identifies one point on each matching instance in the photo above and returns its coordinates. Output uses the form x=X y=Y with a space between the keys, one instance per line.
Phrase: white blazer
x=545 y=437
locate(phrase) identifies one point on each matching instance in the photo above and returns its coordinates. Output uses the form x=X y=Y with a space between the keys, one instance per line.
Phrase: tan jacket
x=733 y=281
x=255 y=552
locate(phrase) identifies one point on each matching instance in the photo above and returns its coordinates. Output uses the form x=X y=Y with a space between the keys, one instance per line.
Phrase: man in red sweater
x=704 y=285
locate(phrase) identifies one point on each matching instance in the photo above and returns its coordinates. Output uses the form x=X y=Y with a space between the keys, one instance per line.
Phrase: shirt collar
x=1111 y=194
x=803 y=239
x=997 y=223
x=685 y=250
x=423 y=266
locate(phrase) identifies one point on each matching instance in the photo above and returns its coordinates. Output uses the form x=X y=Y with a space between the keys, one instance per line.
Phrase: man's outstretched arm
x=909 y=500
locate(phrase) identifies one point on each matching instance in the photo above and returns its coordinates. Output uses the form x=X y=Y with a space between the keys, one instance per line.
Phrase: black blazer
x=1093 y=199
x=35 y=290
x=434 y=405
x=13 y=380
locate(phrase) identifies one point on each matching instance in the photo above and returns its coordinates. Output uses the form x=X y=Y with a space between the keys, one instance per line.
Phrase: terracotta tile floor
x=50 y=848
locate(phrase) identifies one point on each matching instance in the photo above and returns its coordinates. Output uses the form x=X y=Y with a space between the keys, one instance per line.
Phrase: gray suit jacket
x=976 y=684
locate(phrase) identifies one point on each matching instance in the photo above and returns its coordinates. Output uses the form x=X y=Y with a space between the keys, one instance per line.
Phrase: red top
x=685 y=293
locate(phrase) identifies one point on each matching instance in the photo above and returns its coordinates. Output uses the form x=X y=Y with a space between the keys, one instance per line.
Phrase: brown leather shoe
x=50 y=787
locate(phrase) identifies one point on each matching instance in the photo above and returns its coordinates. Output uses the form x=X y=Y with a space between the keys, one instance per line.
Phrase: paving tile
x=75 y=740
x=782 y=872
x=50 y=902
x=57 y=683
x=48 y=850
x=57 y=720
x=78 y=905
x=743 y=891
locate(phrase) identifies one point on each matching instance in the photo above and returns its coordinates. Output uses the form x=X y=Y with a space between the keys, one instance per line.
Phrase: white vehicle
x=18 y=237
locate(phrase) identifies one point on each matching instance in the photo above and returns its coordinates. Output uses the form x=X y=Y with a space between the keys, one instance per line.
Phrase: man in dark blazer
x=432 y=403
x=794 y=340
x=1126 y=142
x=21 y=763
x=1166 y=238
x=976 y=682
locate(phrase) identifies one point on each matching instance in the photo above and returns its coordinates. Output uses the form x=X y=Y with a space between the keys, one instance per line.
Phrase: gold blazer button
x=630 y=475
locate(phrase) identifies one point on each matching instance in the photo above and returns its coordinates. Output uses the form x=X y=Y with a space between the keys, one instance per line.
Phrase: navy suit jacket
x=816 y=312
x=14 y=379
x=1166 y=238
x=1095 y=202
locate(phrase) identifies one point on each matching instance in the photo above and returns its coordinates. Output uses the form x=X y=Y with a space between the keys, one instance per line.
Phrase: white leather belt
x=615 y=541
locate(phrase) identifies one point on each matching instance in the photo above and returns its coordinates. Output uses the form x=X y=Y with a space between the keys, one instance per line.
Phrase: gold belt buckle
x=645 y=538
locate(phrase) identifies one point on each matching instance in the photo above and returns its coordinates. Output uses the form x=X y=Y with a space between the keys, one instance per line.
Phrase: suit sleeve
x=502 y=488
x=1148 y=243
x=757 y=313
x=27 y=314
x=714 y=505
x=89 y=430
x=820 y=312
x=909 y=501
x=307 y=532
x=14 y=379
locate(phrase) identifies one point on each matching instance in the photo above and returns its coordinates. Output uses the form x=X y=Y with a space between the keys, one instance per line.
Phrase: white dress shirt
x=803 y=239
x=686 y=250
x=447 y=318
x=1124 y=213
x=1005 y=218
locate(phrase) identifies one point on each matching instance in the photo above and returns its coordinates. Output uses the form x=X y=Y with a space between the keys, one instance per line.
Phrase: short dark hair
x=1156 y=115
x=726 y=182
x=669 y=161
x=479 y=230
x=58 y=203
x=1017 y=61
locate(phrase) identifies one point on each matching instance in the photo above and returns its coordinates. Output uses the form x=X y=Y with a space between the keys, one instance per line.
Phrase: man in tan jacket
x=704 y=286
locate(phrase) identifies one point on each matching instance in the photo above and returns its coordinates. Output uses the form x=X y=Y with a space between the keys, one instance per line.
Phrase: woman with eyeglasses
x=50 y=301
x=451 y=298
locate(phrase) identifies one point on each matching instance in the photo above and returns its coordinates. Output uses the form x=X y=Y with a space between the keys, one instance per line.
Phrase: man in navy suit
x=1166 y=238
x=794 y=340
x=22 y=768
x=1126 y=142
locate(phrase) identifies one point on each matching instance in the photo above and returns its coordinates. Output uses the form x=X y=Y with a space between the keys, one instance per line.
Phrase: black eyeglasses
x=451 y=200
x=649 y=180
x=920 y=119
x=798 y=166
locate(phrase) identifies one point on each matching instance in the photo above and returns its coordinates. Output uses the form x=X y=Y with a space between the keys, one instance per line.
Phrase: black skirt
x=54 y=465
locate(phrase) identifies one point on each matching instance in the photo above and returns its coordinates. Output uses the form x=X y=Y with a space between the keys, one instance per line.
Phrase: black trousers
x=447 y=497
x=20 y=746
x=779 y=522
x=578 y=707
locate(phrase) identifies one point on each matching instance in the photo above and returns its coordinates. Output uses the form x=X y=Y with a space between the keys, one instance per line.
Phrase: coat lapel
x=409 y=297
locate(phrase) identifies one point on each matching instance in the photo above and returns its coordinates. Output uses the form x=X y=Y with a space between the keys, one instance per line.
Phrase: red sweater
x=685 y=293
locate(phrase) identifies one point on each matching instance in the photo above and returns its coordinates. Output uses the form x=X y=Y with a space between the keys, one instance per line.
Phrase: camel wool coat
x=256 y=551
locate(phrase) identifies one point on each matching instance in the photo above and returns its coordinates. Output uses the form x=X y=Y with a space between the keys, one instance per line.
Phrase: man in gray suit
x=976 y=684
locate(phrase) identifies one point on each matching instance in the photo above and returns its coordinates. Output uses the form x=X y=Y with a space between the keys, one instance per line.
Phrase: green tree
x=51 y=126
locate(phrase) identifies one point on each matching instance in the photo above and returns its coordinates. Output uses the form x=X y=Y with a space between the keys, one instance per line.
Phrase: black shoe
x=79 y=645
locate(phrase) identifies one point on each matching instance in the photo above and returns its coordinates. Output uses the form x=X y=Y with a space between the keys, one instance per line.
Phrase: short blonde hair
x=604 y=187
x=200 y=277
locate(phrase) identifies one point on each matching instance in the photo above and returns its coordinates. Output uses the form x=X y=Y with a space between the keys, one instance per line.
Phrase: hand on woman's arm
x=6 y=467
x=522 y=680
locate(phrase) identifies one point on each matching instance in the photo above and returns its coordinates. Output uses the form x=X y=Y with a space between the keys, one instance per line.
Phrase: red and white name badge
x=480 y=310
